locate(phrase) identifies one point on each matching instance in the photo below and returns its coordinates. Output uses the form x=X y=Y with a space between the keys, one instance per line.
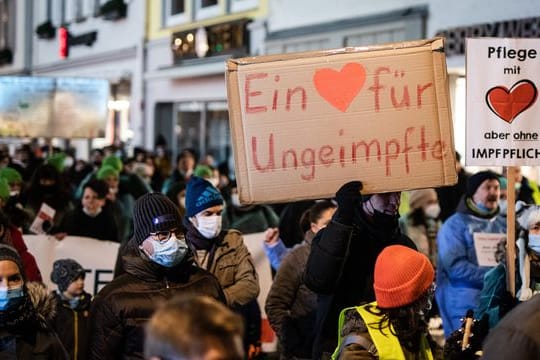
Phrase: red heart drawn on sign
x=339 y=88
x=508 y=104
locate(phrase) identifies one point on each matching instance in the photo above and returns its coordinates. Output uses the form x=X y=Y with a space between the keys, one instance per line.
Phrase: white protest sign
x=485 y=245
x=502 y=108
x=46 y=213
x=97 y=257
x=254 y=243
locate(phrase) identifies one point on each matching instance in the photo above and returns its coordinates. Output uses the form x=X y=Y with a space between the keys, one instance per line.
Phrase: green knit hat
x=4 y=189
x=107 y=171
x=57 y=160
x=113 y=161
x=203 y=171
x=11 y=175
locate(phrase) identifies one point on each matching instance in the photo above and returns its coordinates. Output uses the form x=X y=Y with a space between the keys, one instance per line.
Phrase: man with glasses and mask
x=341 y=263
x=158 y=265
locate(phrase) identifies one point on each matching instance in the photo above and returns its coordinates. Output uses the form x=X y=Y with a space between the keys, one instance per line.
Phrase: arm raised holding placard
x=341 y=263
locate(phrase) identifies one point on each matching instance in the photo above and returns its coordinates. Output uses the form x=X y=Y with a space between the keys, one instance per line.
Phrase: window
x=204 y=126
x=175 y=12
x=7 y=24
x=243 y=5
x=205 y=9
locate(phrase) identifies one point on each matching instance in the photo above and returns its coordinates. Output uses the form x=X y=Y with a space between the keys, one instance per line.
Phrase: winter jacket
x=517 y=336
x=290 y=306
x=72 y=325
x=459 y=277
x=101 y=227
x=233 y=266
x=340 y=270
x=29 y=262
x=250 y=219
x=33 y=337
x=121 y=309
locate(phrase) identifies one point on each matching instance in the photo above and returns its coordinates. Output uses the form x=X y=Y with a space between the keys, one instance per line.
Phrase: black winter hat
x=9 y=253
x=477 y=179
x=65 y=271
x=154 y=212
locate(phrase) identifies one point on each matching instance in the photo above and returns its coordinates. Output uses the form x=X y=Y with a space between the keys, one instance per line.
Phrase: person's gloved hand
x=348 y=197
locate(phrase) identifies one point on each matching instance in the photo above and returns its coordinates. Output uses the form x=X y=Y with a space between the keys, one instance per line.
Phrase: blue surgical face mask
x=534 y=243
x=74 y=302
x=169 y=253
x=10 y=297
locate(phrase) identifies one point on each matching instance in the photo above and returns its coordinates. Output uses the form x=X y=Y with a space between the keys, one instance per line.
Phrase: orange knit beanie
x=402 y=275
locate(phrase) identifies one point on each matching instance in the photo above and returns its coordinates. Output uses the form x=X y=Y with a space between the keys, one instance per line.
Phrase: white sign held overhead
x=502 y=125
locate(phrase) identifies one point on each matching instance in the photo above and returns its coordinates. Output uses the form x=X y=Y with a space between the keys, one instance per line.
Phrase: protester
x=194 y=327
x=223 y=253
x=342 y=258
x=185 y=164
x=12 y=203
x=72 y=307
x=249 y=218
x=392 y=327
x=528 y=244
x=25 y=312
x=290 y=306
x=91 y=218
x=47 y=186
x=158 y=265
x=459 y=275
x=421 y=223
x=10 y=235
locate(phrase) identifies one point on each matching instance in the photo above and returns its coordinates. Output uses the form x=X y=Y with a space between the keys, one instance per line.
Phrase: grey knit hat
x=154 y=212
x=65 y=271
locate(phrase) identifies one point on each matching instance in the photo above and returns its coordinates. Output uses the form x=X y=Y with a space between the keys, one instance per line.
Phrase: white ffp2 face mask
x=209 y=226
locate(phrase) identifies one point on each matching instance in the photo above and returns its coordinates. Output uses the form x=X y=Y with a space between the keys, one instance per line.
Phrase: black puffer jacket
x=71 y=325
x=121 y=309
x=340 y=270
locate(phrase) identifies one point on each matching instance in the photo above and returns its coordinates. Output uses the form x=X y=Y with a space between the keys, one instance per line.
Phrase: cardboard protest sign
x=502 y=107
x=304 y=124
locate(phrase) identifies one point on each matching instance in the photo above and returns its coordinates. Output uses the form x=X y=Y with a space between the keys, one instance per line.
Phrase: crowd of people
x=354 y=277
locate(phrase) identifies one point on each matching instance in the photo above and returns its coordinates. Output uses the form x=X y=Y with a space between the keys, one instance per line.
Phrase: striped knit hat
x=154 y=212
x=402 y=276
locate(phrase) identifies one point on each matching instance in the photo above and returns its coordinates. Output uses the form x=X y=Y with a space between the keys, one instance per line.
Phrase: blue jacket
x=459 y=277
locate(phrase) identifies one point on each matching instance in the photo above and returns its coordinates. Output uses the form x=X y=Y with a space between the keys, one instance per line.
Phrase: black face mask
x=385 y=226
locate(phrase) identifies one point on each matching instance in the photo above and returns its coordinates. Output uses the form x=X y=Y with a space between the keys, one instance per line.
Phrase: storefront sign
x=304 y=124
x=521 y=28
x=502 y=102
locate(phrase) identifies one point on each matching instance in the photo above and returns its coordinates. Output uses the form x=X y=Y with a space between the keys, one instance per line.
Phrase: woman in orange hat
x=393 y=326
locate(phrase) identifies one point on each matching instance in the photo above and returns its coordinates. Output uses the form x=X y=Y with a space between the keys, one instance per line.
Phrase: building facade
x=188 y=44
x=106 y=41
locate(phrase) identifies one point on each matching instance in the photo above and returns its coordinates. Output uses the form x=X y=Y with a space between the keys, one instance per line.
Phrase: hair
x=5 y=223
x=189 y=326
x=418 y=217
x=100 y=187
x=408 y=322
x=187 y=152
x=314 y=213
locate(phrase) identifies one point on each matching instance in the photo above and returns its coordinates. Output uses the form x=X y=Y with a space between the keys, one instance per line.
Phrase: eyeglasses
x=166 y=235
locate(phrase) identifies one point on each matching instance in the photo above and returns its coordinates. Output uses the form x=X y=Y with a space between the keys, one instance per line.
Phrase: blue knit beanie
x=201 y=195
